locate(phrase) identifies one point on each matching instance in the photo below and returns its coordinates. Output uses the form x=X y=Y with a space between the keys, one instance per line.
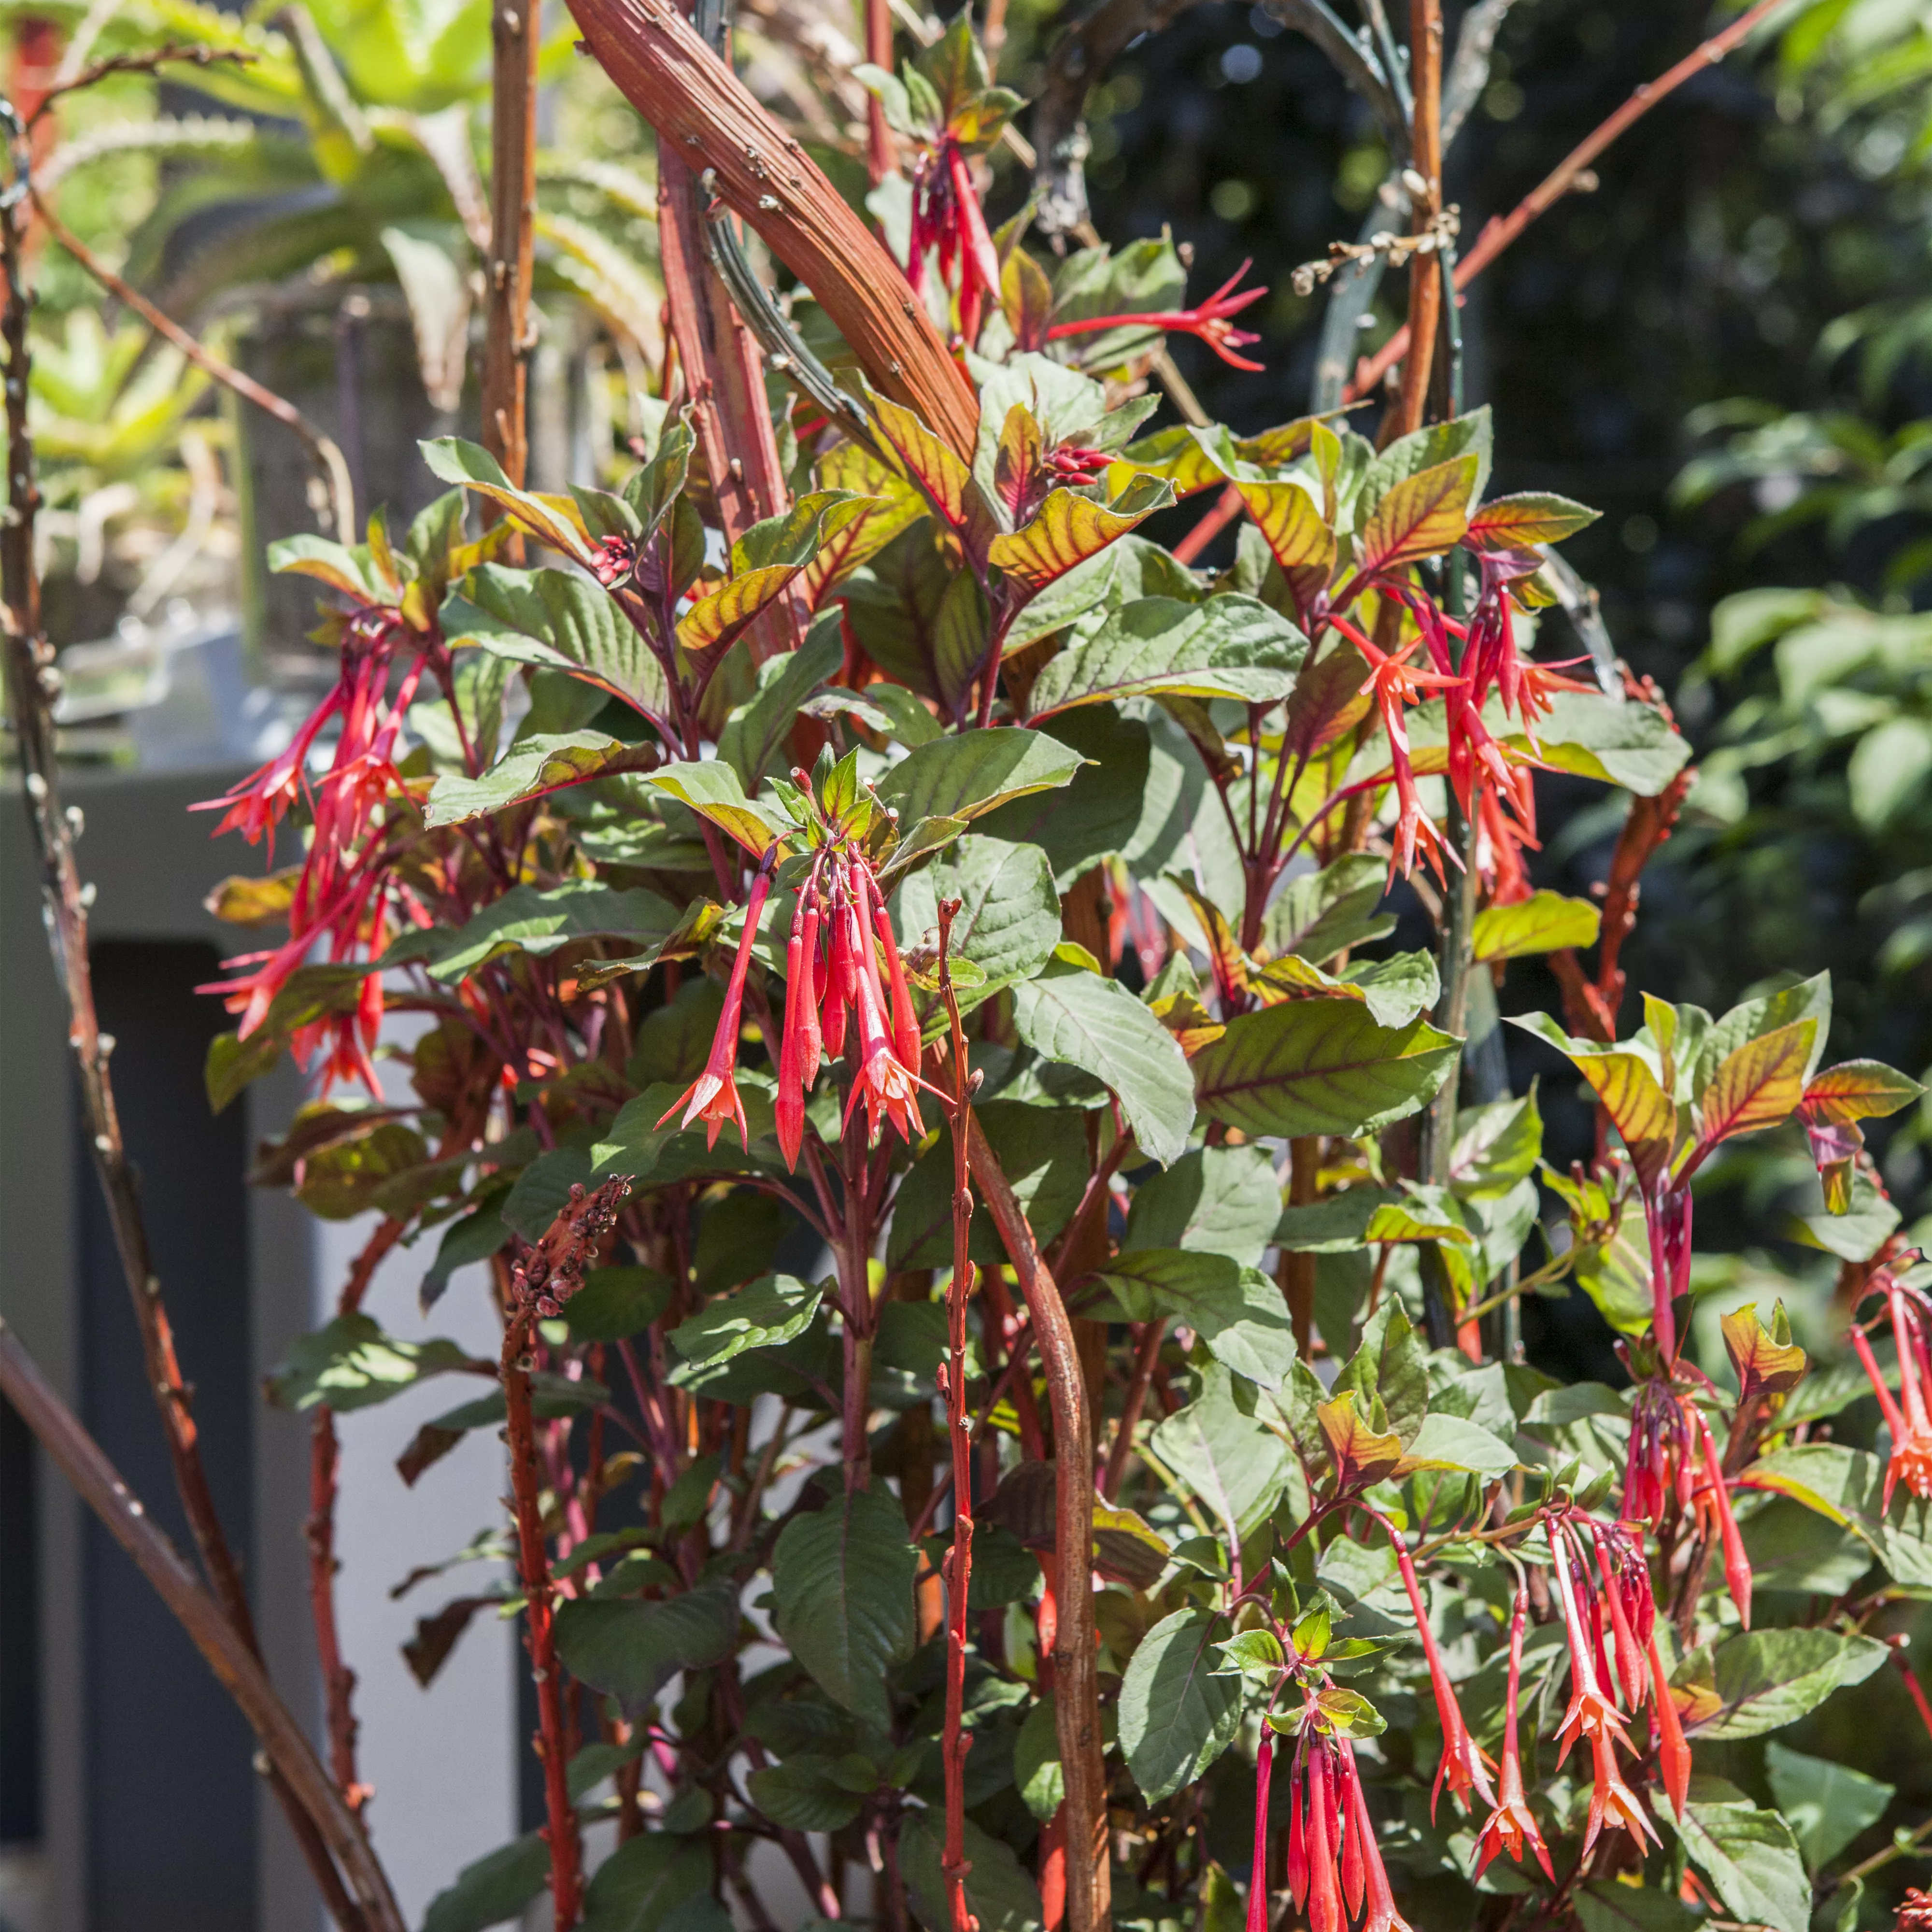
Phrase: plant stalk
x=514 y=38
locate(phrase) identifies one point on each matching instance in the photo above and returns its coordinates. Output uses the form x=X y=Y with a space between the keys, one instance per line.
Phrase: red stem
x=1497 y=235
x=957 y=1568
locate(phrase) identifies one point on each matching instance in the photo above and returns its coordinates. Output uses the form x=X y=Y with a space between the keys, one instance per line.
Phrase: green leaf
x=492 y=1890
x=1858 y=1232
x=1038 y=1774
x=1750 y=1857
x=350 y=1363
x=710 y=788
x=1605 y=1905
x=1008 y=920
x=1889 y=769
x=525 y=919
x=1221 y=1201
x=1803 y=999
x=1068 y=1014
x=1231 y=646
x=1395 y=991
x=755 y=731
x=1322 y=913
x=1496 y=1146
x=615 y=1303
x=562 y=621
x=1827 y=1805
x=1319 y=1066
x=1521 y=522
x=1100 y=811
x=1176 y=1715
x=1423 y=515
x=548 y=762
x=1358 y=1215
x=1766 y=1679
x=630 y=1650
x=763 y=1314
x=1847 y=1487
x=1541 y=923
x=1235 y=1464
x=1628 y=1080
x=1471 y=435
x=965 y=777
x=1449 y=1442
x=1618 y=742
x=1237 y=1311
x=843 y=1577
x=1000 y=1892
x=643 y=1882
x=554 y=520
x=801 y=1795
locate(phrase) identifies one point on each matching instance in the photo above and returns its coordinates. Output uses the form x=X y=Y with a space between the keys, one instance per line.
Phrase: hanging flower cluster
x=342 y=889
x=947 y=218
x=1672 y=1460
x=1211 y=322
x=1335 y=1869
x=1909 y=1421
x=847 y=996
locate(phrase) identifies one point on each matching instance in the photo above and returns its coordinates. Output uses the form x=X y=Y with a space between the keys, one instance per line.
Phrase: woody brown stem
x=1297 y=1272
x=566 y=1880
x=1077 y=1692
x=1425 y=273
x=704 y=116
x=514 y=40
x=313 y=1799
x=359 y=1894
x=1145 y=1355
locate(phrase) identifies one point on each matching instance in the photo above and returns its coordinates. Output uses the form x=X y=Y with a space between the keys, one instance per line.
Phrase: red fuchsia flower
x=1911 y=1437
x=1673 y=1754
x=1394 y=683
x=1714 y=1501
x=1381 y=1916
x=1512 y=1825
x=841 y=905
x=1324 y=1900
x=713 y=1097
x=1667 y=1214
x=1591 y=1713
x=1258 y=1893
x=344 y=890
x=1211 y=322
x=946 y=216
x=1632 y=1610
x=1611 y=1801
x=1464 y=1767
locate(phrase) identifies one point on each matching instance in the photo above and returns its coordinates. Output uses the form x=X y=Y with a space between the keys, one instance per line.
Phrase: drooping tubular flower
x=1591 y=1709
x=1464 y=1768
x=834 y=986
x=1673 y=1753
x=1512 y=1825
x=344 y=889
x=1211 y=322
x=946 y=216
x=1910 y=1425
x=713 y=1097
x=1658 y=1463
x=1632 y=1609
x=1362 y=1853
x=1714 y=1500
x=1258 y=1893
x=1394 y=683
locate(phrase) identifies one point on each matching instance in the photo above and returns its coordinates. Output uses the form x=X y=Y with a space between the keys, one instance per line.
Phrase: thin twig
x=145 y=63
x=34 y=684
x=1570 y=172
x=98 y=1484
x=515 y=39
x=322 y=451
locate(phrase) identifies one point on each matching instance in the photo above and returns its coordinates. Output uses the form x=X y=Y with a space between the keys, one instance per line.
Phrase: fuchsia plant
x=1030 y=1470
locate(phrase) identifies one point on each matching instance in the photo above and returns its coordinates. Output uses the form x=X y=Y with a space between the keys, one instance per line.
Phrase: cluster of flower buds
x=846 y=994
x=344 y=887
x=946 y=216
x=1909 y=1420
x=1335 y=1869
x=1672 y=1460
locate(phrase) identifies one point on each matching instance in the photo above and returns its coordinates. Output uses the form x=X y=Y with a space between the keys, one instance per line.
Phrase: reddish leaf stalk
x=957 y=1567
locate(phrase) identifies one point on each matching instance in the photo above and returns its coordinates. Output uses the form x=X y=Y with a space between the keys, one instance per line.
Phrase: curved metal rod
x=784 y=348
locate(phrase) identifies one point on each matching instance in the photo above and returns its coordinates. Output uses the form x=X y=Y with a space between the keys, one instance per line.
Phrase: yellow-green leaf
x=1541 y=923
